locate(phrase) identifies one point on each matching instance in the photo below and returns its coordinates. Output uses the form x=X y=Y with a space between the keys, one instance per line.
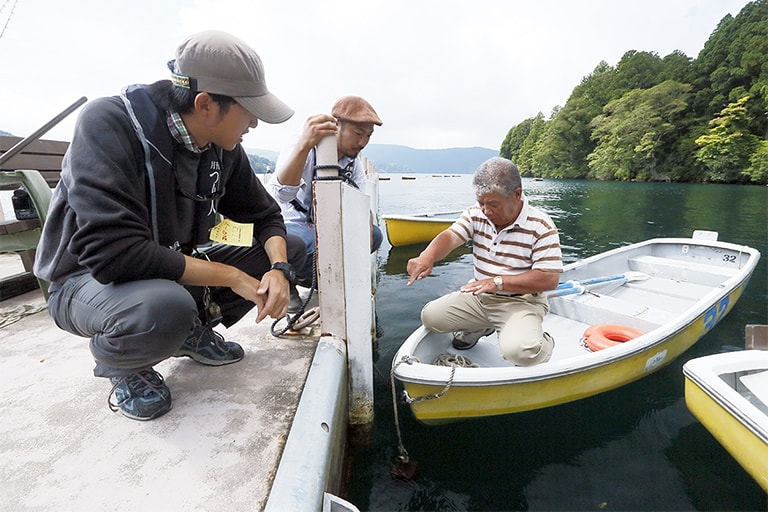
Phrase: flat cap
x=355 y=109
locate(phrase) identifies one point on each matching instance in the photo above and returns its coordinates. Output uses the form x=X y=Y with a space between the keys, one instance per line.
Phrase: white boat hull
x=728 y=394
x=691 y=285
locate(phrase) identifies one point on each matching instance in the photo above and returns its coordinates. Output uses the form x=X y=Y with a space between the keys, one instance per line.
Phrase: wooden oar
x=579 y=287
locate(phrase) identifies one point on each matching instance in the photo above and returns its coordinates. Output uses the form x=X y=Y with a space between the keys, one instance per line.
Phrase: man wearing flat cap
x=352 y=120
x=135 y=258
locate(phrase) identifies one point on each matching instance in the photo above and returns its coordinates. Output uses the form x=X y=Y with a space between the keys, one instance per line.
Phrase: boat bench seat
x=594 y=309
x=687 y=271
x=674 y=289
x=757 y=384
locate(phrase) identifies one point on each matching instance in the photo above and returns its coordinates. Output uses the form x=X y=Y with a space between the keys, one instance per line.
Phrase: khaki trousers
x=517 y=319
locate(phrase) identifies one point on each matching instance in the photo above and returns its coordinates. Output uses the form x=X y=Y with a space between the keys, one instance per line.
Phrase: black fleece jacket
x=118 y=212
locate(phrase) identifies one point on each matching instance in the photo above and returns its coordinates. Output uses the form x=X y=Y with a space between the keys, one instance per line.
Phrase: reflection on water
x=633 y=448
x=397 y=257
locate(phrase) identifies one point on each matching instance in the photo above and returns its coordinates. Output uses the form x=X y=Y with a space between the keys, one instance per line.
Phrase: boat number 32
x=715 y=313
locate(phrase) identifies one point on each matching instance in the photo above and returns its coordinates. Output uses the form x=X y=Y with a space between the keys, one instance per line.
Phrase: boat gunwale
x=424 y=217
x=476 y=377
x=706 y=375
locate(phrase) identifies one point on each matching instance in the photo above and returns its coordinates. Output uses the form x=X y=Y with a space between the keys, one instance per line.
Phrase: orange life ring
x=603 y=336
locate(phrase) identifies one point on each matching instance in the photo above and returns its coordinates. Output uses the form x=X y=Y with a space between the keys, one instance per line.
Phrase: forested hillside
x=651 y=118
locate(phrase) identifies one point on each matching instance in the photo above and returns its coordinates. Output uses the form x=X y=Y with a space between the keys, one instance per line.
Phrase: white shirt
x=530 y=242
x=302 y=192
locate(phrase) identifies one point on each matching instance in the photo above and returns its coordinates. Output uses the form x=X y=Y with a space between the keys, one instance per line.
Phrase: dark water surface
x=634 y=448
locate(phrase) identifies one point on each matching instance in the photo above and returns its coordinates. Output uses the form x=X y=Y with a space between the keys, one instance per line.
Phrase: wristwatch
x=287 y=270
x=499 y=282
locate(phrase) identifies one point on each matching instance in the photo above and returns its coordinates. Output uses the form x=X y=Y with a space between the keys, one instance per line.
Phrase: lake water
x=634 y=448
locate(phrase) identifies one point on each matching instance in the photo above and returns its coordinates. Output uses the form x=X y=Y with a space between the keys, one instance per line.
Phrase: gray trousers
x=135 y=325
x=517 y=319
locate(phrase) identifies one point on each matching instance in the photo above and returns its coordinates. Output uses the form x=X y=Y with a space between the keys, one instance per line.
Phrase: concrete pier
x=219 y=448
x=266 y=433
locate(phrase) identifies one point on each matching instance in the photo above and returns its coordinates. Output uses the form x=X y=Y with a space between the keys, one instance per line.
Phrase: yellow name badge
x=233 y=233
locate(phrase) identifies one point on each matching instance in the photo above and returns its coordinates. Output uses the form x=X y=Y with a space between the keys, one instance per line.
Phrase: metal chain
x=403 y=457
x=211 y=308
x=291 y=320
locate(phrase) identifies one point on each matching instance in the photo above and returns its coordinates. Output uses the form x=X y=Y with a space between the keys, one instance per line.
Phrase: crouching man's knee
x=529 y=353
x=433 y=318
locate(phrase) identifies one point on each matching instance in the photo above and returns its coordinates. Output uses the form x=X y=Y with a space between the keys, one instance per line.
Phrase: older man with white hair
x=517 y=256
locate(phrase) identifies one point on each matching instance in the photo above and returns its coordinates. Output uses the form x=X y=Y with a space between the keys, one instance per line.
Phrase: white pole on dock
x=344 y=277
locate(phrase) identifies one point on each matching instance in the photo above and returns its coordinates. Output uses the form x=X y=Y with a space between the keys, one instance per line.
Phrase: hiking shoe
x=140 y=396
x=208 y=347
x=295 y=304
x=464 y=340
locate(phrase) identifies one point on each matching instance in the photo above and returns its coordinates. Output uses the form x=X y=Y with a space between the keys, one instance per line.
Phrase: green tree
x=654 y=135
x=510 y=148
x=567 y=141
x=677 y=66
x=531 y=146
x=261 y=165
x=636 y=131
x=637 y=70
x=757 y=171
x=727 y=148
x=734 y=62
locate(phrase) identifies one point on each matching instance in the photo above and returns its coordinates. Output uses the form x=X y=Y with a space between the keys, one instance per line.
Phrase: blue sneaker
x=208 y=347
x=140 y=396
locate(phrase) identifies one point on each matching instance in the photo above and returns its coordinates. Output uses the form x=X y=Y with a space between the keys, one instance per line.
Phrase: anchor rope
x=449 y=360
x=403 y=453
x=454 y=360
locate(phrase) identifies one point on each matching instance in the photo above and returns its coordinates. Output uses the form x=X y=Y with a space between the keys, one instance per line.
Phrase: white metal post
x=344 y=282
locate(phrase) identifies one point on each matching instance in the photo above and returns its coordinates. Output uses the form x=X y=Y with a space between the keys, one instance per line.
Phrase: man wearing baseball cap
x=352 y=120
x=132 y=248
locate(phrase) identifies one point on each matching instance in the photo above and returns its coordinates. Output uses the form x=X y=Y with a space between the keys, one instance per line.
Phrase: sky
x=440 y=73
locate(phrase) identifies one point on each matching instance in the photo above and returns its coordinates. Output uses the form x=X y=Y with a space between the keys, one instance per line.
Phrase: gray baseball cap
x=219 y=63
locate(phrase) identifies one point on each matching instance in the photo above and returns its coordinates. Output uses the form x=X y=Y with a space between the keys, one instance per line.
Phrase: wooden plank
x=41 y=155
x=10 y=226
x=38 y=147
x=756 y=337
x=37 y=162
x=17 y=284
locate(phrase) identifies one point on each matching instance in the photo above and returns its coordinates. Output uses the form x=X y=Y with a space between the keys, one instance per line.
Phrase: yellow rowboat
x=728 y=394
x=416 y=228
x=673 y=290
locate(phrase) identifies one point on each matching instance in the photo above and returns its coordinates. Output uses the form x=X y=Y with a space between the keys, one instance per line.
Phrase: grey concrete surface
x=62 y=449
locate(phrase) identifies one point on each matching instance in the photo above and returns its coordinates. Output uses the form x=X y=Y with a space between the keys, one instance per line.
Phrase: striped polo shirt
x=530 y=242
